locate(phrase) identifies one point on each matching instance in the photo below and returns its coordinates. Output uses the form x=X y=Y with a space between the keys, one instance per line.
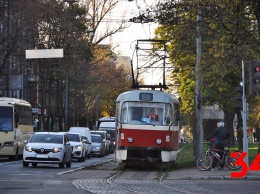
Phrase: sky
x=126 y=39
x=124 y=42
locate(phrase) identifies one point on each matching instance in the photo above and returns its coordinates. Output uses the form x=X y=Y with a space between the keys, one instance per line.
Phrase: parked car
x=79 y=151
x=111 y=133
x=108 y=124
x=105 y=139
x=47 y=147
x=98 y=147
x=86 y=136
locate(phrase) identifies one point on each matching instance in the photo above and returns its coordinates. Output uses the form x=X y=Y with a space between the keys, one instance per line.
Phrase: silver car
x=105 y=141
x=47 y=147
x=98 y=147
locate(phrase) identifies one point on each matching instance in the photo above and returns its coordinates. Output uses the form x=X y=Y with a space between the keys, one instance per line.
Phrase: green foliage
x=229 y=35
x=185 y=158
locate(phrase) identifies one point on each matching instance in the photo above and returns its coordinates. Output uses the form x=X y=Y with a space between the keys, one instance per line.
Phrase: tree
x=54 y=24
x=228 y=36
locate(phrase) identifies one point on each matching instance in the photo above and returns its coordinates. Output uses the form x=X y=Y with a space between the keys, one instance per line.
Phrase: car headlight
x=130 y=139
x=79 y=147
x=28 y=148
x=8 y=144
x=158 y=141
x=55 y=150
x=97 y=148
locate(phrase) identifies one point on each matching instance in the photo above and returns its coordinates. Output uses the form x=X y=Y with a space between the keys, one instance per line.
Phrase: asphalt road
x=84 y=178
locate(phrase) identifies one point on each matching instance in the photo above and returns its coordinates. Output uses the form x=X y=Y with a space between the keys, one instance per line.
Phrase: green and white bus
x=16 y=125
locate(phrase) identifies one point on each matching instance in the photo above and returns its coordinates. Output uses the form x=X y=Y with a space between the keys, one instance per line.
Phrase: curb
x=249 y=178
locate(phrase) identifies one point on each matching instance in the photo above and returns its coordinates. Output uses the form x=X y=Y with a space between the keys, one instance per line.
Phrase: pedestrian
x=220 y=135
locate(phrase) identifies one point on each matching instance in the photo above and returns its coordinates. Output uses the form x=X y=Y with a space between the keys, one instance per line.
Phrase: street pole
x=66 y=96
x=198 y=132
x=245 y=140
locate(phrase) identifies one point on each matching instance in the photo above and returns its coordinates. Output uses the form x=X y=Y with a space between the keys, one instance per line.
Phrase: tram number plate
x=167 y=139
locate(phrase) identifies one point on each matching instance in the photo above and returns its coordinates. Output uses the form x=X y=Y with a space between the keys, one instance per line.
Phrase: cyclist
x=220 y=134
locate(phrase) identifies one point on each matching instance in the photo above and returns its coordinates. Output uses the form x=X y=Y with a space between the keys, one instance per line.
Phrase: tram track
x=133 y=182
x=170 y=188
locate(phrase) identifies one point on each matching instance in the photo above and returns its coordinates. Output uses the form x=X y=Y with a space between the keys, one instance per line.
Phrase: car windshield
x=99 y=133
x=96 y=139
x=73 y=137
x=47 y=138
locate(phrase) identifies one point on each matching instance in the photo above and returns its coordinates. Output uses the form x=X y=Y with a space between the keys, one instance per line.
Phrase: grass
x=185 y=158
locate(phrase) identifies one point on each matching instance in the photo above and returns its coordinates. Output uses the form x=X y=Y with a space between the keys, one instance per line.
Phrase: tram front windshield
x=144 y=113
x=6 y=118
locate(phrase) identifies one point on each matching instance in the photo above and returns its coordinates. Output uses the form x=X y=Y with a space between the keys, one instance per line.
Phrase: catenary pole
x=198 y=132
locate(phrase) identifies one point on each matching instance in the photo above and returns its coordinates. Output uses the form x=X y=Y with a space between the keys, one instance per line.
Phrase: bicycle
x=204 y=162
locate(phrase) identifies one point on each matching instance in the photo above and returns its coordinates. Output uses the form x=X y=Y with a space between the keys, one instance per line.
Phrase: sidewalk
x=195 y=174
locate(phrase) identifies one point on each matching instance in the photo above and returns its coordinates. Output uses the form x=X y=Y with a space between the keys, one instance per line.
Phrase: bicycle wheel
x=230 y=162
x=204 y=162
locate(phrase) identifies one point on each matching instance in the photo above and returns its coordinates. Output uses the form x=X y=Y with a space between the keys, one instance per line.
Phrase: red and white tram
x=144 y=138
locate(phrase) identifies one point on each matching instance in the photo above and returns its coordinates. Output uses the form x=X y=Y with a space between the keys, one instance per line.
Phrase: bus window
x=6 y=118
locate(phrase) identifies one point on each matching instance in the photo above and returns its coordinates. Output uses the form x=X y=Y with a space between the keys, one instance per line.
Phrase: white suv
x=78 y=146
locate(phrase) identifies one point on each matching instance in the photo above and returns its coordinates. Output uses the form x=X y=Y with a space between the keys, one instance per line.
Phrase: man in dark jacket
x=220 y=134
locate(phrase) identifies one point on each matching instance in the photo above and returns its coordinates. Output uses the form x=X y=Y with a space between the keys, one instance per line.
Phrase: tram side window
x=124 y=115
x=6 y=119
x=176 y=114
x=168 y=114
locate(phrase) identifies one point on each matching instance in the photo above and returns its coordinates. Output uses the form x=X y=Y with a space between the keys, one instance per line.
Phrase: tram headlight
x=158 y=141
x=130 y=139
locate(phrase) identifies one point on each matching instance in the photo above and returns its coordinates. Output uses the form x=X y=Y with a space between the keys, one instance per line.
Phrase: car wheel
x=34 y=164
x=68 y=164
x=62 y=164
x=16 y=156
x=84 y=157
x=25 y=164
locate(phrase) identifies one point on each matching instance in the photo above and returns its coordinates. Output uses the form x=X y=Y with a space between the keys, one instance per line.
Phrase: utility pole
x=197 y=131
x=245 y=139
x=66 y=95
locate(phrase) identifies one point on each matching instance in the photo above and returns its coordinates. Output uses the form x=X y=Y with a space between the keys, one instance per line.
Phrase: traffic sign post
x=51 y=53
